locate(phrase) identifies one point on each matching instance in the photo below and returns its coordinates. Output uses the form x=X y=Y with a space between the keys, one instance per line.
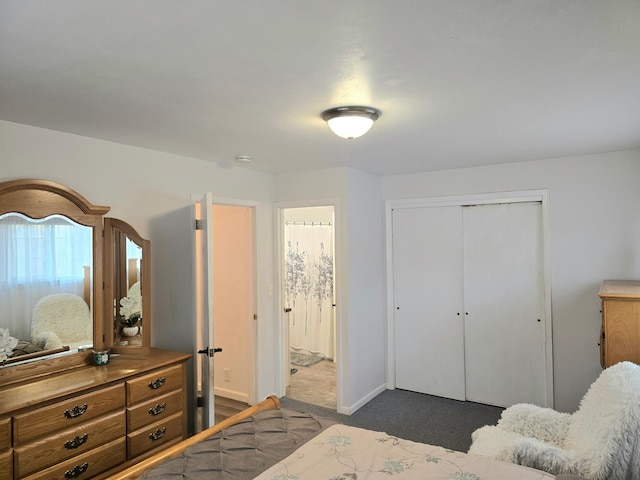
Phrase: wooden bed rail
x=138 y=469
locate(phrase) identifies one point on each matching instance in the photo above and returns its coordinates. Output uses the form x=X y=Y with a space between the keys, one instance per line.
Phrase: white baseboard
x=370 y=396
x=233 y=395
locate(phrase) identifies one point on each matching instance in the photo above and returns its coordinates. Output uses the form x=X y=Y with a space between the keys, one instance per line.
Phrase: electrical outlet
x=227 y=375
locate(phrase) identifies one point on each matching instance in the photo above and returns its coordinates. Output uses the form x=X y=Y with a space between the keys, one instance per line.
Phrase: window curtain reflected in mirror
x=134 y=256
x=309 y=286
x=39 y=258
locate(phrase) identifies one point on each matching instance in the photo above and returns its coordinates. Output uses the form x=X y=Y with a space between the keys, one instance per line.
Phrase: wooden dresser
x=92 y=421
x=620 y=334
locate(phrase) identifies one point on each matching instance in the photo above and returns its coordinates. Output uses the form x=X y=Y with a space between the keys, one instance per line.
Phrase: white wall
x=152 y=191
x=366 y=287
x=594 y=235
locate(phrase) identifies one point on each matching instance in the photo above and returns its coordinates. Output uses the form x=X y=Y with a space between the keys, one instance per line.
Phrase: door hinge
x=200 y=402
x=199 y=225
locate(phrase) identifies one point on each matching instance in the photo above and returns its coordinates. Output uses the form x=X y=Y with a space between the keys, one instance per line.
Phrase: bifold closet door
x=504 y=299
x=428 y=325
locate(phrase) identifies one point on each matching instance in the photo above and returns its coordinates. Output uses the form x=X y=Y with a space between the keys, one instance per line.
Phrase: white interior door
x=203 y=267
x=504 y=299
x=428 y=304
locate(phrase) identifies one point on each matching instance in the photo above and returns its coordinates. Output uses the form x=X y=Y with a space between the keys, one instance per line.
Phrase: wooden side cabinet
x=620 y=334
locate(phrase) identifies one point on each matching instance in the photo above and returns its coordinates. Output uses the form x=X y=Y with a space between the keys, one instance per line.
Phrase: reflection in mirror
x=127 y=287
x=45 y=285
x=128 y=312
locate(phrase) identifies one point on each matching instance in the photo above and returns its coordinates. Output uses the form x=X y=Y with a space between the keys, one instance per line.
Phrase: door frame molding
x=282 y=363
x=541 y=196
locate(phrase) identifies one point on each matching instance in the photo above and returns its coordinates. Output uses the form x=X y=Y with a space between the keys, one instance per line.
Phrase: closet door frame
x=541 y=196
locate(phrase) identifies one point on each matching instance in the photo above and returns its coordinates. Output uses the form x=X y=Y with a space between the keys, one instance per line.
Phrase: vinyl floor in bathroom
x=315 y=384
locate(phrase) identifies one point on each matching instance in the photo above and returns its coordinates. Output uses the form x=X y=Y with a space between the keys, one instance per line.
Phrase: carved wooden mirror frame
x=38 y=199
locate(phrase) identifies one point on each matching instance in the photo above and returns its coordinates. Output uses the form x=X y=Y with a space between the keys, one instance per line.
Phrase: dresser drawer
x=87 y=465
x=6 y=465
x=69 y=443
x=154 y=384
x=5 y=434
x=154 y=410
x=155 y=435
x=47 y=420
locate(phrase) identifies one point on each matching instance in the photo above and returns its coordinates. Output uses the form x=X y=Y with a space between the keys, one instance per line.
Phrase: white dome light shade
x=350 y=127
x=350 y=122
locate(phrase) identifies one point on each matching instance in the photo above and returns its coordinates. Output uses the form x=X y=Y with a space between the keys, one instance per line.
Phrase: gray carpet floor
x=414 y=416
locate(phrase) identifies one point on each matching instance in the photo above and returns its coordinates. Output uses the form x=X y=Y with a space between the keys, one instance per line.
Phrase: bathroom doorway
x=308 y=299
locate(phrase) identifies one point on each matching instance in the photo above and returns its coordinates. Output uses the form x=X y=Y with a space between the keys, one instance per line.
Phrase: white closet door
x=504 y=301
x=427 y=275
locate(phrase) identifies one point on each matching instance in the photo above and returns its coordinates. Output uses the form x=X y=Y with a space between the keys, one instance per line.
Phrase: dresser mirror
x=127 y=275
x=46 y=273
x=59 y=288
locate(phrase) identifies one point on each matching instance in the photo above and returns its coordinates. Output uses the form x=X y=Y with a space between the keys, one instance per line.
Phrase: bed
x=272 y=443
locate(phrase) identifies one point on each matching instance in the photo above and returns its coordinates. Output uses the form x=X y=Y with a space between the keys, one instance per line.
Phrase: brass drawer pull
x=76 y=442
x=75 y=411
x=76 y=471
x=158 y=434
x=157 y=383
x=158 y=409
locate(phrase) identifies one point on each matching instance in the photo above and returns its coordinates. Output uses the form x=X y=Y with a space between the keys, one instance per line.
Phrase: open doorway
x=226 y=307
x=308 y=268
x=234 y=308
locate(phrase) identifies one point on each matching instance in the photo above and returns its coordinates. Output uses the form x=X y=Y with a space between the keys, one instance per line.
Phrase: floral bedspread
x=342 y=452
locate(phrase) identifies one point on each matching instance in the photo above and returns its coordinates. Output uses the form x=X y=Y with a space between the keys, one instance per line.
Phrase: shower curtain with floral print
x=309 y=286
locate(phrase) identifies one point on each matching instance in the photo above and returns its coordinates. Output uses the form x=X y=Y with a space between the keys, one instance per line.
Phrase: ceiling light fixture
x=350 y=122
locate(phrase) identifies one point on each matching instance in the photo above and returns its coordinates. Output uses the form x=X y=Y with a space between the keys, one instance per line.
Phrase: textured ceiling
x=460 y=82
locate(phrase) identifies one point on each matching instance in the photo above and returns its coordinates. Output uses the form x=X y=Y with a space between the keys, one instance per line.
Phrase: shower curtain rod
x=310 y=224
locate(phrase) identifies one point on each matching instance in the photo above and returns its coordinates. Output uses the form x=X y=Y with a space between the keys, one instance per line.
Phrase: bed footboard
x=138 y=469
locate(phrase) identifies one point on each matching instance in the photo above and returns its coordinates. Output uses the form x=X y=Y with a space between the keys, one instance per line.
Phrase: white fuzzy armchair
x=61 y=319
x=600 y=441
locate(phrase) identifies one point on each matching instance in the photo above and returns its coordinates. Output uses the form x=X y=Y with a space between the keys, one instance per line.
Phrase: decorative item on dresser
x=620 y=332
x=71 y=410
